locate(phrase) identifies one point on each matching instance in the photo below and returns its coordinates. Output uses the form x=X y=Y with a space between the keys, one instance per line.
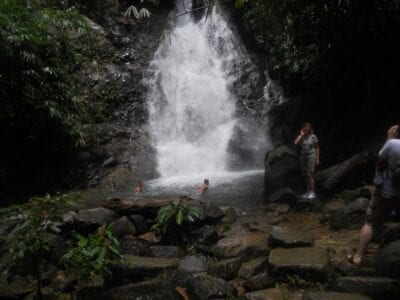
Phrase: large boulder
x=90 y=219
x=122 y=227
x=253 y=267
x=281 y=170
x=343 y=174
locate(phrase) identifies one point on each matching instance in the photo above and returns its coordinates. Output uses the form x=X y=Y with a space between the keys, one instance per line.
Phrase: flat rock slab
x=139 y=267
x=309 y=262
x=334 y=296
x=270 y=294
x=288 y=238
x=247 y=245
x=164 y=251
x=253 y=267
x=371 y=286
x=98 y=216
x=194 y=264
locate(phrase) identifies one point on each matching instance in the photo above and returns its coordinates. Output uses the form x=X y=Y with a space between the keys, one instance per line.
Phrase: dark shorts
x=380 y=208
x=307 y=163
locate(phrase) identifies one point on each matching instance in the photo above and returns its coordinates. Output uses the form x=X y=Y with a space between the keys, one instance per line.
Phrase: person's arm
x=299 y=138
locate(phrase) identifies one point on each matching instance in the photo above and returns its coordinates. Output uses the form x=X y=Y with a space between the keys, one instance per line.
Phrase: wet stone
x=258 y=282
x=122 y=227
x=206 y=287
x=253 y=267
x=194 y=264
x=225 y=268
x=334 y=296
x=268 y=294
x=134 y=246
x=98 y=216
x=371 y=286
x=283 y=195
x=164 y=251
x=140 y=223
x=288 y=238
x=308 y=262
x=352 y=216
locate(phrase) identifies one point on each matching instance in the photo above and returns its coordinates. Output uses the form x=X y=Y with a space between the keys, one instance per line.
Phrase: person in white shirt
x=387 y=194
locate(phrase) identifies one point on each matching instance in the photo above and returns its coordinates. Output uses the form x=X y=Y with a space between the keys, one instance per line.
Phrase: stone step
x=334 y=296
x=307 y=262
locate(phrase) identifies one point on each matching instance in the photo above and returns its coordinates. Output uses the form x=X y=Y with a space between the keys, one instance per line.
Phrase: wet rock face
x=281 y=170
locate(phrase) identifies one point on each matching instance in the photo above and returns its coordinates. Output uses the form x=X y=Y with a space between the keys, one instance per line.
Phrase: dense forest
x=337 y=60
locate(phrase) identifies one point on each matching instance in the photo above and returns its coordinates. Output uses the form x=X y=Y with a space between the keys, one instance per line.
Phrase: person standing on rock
x=387 y=192
x=309 y=157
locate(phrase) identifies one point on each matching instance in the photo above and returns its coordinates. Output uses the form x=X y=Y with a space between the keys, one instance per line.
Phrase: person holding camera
x=387 y=193
x=309 y=157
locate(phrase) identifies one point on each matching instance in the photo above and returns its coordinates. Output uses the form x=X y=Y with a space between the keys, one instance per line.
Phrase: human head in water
x=206 y=181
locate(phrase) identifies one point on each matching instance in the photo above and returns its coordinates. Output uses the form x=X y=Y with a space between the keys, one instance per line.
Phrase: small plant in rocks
x=28 y=242
x=173 y=221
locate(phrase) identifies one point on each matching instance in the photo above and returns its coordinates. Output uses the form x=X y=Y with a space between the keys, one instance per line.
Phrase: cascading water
x=192 y=110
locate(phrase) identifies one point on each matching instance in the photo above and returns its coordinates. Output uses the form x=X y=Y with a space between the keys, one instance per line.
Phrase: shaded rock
x=371 y=286
x=122 y=227
x=230 y=216
x=258 y=282
x=211 y=213
x=206 y=235
x=246 y=246
x=154 y=289
x=352 y=216
x=118 y=177
x=140 y=223
x=279 y=208
x=164 y=251
x=69 y=217
x=283 y=195
x=95 y=216
x=334 y=296
x=367 y=191
x=281 y=170
x=388 y=260
x=309 y=262
x=344 y=173
x=152 y=237
x=146 y=207
x=63 y=282
x=288 y=238
x=58 y=247
x=15 y=289
x=268 y=294
x=139 y=267
x=134 y=246
x=194 y=264
x=225 y=268
x=390 y=233
x=253 y=267
x=205 y=287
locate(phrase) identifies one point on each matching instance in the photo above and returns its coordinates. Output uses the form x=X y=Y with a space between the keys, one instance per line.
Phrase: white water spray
x=191 y=108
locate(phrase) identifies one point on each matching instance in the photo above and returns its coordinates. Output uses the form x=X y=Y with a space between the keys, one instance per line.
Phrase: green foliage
x=91 y=257
x=28 y=243
x=171 y=217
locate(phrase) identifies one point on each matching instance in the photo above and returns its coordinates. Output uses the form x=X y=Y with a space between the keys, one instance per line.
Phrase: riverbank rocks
x=270 y=294
x=281 y=170
x=371 y=286
x=164 y=251
x=122 y=227
x=309 y=262
x=283 y=195
x=204 y=287
x=140 y=223
x=225 y=268
x=139 y=267
x=194 y=264
x=134 y=246
x=258 y=282
x=289 y=238
x=351 y=216
x=253 y=267
x=89 y=220
x=388 y=260
x=334 y=296
x=248 y=245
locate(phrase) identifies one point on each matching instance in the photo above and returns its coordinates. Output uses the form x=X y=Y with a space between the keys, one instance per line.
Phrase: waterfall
x=192 y=109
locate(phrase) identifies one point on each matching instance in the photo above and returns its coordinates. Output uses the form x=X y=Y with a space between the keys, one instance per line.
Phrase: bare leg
x=366 y=234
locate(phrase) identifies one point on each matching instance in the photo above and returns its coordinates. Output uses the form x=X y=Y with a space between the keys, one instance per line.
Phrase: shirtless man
x=139 y=188
x=202 y=189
